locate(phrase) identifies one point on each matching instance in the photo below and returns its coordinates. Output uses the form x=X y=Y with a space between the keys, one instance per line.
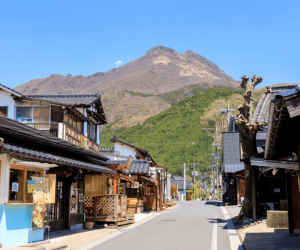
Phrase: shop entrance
x=57 y=210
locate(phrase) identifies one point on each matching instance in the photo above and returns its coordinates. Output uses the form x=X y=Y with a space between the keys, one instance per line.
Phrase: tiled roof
x=11 y=90
x=12 y=128
x=283 y=129
x=35 y=154
x=137 y=166
x=261 y=113
x=77 y=100
x=179 y=184
x=177 y=178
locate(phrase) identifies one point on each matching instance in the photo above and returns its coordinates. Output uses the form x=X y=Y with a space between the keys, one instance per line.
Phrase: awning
x=126 y=178
x=33 y=154
x=274 y=164
x=234 y=167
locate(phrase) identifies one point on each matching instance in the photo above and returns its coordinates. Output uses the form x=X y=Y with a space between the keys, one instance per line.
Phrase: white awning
x=274 y=164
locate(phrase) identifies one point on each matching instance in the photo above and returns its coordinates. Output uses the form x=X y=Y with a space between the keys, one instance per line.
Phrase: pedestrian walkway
x=73 y=239
x=260 y=236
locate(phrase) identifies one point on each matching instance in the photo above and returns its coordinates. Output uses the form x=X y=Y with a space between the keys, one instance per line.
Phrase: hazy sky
x=40 y=38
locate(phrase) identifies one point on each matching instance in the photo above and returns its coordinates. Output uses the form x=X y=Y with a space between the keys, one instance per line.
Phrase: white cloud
x=118 y=63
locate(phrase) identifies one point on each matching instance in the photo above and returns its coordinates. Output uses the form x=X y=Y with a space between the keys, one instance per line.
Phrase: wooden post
x=254 y=197
x=290 y=203
x=238 y=190
x=95 y=207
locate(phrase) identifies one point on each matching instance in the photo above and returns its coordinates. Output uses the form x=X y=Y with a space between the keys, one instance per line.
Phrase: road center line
x=214 y=241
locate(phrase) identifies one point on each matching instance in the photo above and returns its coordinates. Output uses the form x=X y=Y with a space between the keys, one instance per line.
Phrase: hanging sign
x=31 y=186
x=134 y=184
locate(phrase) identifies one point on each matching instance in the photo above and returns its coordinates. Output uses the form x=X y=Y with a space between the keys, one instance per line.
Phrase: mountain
x=159 y=71
x=175 y=135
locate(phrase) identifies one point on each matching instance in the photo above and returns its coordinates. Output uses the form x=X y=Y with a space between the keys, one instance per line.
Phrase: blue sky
x=40 y=38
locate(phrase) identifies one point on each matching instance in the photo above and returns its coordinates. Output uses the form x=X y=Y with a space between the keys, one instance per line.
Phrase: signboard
x=147 y=192
x=129 y=162
x=15 y=187
x=95 y=185
x=31 y=186
x=52 y=185
x=195 y=173
x=74 y=201
x=84 y=142
x=216 y=156
x=276 y=190
x=81 y=198
x=41 y=198
x=134 y=184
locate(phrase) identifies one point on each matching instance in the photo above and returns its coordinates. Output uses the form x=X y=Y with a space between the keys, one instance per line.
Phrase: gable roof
x=261 y=113
x=13 y=92
x=143 y=152
x=75 y=101
x=137 y=166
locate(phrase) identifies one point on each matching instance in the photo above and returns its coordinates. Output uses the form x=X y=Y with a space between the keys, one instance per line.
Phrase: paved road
x=191 y=225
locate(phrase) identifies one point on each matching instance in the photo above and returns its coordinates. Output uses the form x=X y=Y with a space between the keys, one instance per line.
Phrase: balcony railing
x=66 y=132
x=50 y=128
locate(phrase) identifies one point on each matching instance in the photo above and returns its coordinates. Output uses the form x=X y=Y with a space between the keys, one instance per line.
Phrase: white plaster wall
x=7 y=100
x=4 y=182
x=124 y=150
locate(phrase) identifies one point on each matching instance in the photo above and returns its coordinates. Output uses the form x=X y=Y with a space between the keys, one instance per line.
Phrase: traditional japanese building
x=43 y=182
x=74 y=118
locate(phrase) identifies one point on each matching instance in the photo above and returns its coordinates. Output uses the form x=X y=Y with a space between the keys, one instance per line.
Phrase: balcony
x=49 y=128
x=67 y=133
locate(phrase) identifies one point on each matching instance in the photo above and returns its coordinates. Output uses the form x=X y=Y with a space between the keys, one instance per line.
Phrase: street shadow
x=280 y=239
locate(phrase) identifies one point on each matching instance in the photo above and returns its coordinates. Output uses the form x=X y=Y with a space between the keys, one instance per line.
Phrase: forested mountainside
x=175 y=135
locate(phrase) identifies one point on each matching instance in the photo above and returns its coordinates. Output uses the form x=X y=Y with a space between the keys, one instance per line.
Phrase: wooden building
x=232 y=169
x=74 y=118
x=30 y=158
x=282 y=150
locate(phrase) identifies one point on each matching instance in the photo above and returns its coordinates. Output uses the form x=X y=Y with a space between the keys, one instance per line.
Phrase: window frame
x=25 y=169
x=6 y=110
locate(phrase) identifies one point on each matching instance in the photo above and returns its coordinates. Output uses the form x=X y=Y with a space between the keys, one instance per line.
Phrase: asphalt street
x=191 y=225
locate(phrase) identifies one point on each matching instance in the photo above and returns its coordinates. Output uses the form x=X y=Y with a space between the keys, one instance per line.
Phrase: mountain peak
x=160 y=70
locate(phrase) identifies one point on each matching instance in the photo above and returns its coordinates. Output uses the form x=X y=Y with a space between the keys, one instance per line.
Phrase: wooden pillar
x=290 y=203
x=254 y=197
x=115 y=184
x=238 y=190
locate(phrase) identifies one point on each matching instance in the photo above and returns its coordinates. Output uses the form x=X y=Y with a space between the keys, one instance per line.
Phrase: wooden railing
x=106 y=207
x=50 y=128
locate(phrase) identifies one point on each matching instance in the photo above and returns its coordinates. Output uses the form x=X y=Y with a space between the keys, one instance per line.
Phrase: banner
x=41 y=198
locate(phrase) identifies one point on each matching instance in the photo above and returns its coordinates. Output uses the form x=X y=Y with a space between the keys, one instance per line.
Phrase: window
x=3 y=111
x=18 y=179
x=24 y=114
x=92 y=130
x=41 y=114
x=16 y=185
x=56 y=114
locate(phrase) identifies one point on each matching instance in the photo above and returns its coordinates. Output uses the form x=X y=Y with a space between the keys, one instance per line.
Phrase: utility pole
x=216 y=158
x=184 y=187
x=194 y=181
x=227 y=111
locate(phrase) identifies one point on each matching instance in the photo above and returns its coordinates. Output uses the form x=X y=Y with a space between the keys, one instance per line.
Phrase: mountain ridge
x=160 y=70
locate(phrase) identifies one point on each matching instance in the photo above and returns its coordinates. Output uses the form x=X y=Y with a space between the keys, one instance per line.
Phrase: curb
x=231 y=231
